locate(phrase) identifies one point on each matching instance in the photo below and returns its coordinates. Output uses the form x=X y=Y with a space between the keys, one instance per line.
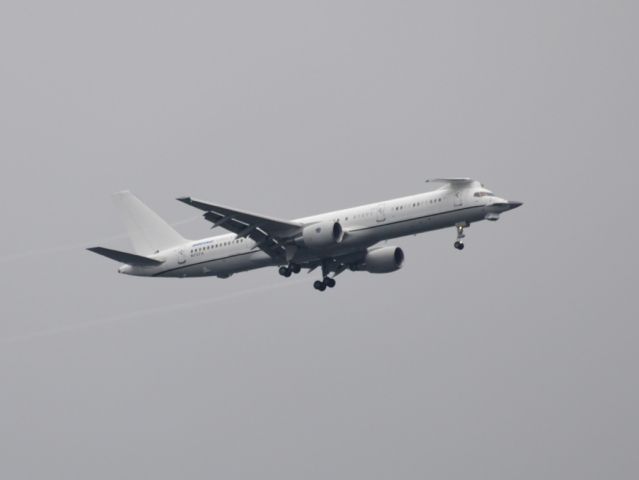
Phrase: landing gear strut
x=459 y=243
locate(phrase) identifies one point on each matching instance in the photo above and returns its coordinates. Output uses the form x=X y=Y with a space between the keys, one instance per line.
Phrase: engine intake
x=381 y=260
x=322 y=235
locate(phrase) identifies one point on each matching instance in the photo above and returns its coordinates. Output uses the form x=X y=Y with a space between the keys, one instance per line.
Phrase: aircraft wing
x=269 y=233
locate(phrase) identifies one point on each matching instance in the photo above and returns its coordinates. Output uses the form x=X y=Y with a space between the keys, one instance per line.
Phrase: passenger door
x=381 y=213
x=458 y=200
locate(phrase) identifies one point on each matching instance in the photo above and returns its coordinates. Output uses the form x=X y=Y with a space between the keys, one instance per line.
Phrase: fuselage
x=363 y=226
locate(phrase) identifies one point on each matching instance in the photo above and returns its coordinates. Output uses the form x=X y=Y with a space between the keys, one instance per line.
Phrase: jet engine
x=381 y=260
x=322 y=235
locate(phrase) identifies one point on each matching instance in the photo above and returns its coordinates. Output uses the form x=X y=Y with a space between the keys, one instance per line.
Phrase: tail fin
x=148 y=232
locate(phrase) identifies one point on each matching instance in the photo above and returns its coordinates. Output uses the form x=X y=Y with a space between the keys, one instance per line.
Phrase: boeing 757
x=333 y=242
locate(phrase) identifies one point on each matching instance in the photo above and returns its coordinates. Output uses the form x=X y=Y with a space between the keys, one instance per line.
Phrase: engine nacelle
x=322 y=235
x=382 y=260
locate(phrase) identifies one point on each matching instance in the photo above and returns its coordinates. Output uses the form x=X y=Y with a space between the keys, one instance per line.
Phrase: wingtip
x=184 y=199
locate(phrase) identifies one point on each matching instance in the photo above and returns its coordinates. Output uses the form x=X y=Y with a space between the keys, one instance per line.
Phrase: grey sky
x=514 y=359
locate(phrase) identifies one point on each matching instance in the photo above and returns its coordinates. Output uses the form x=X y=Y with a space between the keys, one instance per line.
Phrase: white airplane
x=333 y=242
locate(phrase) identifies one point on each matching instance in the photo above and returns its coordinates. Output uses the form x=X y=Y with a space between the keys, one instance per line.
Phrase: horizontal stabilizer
x=128 y=258
x=459 y=180
x=454 y=182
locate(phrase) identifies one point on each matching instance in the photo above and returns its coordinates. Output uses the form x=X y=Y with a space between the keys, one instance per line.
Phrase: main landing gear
x=286 y=271
x=328 y=266
x=322 y=284
x=459 y=243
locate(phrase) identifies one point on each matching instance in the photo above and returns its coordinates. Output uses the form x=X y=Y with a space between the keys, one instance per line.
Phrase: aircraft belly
x=358 y=239
x=224 y=266
x=242 y=263
x=414 y=226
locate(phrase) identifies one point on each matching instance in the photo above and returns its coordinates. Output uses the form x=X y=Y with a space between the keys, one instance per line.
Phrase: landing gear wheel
x=321 y=286
x=459 y=245
x=330 y=282
x=285 y=272
x=295 y=268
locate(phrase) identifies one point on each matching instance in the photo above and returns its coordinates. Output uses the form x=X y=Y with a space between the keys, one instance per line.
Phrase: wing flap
x=264 y=241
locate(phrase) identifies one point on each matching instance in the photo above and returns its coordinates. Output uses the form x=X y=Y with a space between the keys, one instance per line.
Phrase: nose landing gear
x=459 y=243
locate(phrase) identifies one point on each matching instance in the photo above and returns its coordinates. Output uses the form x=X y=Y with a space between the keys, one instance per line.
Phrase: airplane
x=333 y=242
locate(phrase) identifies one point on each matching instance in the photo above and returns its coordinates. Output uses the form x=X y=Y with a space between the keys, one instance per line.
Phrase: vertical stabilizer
x=148 y=232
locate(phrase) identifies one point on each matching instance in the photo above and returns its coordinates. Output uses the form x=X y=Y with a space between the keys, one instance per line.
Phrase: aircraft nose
x=512 y=204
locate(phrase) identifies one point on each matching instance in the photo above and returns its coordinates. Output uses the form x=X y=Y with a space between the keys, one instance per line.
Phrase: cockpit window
x=484 y=194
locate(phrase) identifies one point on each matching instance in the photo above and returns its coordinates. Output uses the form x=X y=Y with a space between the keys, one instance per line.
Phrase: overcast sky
x=516 y=358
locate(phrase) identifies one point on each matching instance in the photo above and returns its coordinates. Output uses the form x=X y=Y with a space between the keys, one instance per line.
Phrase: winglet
x=195 y=203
